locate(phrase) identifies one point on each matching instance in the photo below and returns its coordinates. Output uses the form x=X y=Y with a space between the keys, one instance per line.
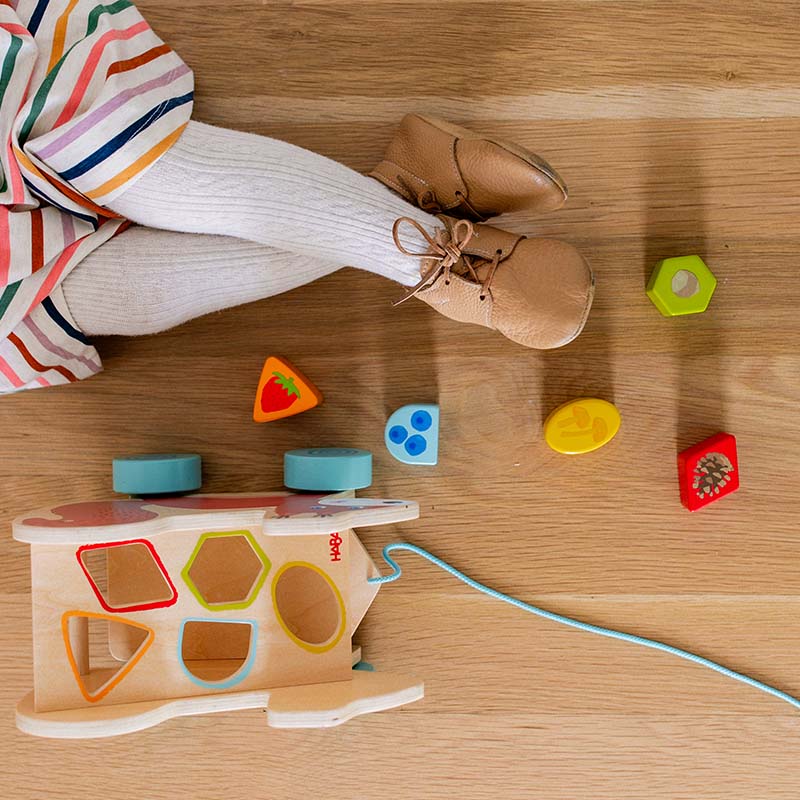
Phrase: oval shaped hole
x=308 y=606
x=685 y=283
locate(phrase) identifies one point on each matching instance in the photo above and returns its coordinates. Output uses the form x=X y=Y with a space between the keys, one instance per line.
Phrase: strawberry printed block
x=708 y=471
x=283 y=391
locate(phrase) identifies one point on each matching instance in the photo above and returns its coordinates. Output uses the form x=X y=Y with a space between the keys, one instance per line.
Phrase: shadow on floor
x=697 y=343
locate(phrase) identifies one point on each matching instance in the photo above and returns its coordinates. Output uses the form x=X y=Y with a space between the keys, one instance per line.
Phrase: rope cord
x=574 y=623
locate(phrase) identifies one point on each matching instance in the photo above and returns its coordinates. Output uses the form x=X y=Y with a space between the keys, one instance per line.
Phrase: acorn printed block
x=708 y=471
x=412 y=434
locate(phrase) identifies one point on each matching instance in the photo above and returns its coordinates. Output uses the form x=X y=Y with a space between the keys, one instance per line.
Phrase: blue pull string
x=574 y=623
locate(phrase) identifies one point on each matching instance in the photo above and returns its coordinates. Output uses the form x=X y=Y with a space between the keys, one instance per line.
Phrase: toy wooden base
x=320 y=705
x=147 y=609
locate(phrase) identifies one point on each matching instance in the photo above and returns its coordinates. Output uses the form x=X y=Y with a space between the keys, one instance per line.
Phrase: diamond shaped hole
x=226 y=570
x=214 y=652
x=685 y=283
x=127 y=576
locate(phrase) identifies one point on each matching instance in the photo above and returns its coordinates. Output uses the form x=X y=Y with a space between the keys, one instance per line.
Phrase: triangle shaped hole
x=102 y=650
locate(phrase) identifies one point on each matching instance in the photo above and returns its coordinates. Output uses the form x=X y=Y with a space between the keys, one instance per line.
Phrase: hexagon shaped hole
x=226 y=570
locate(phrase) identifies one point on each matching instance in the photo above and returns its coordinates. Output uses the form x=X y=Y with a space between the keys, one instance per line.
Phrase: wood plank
x=676 y=126
x=337 y=49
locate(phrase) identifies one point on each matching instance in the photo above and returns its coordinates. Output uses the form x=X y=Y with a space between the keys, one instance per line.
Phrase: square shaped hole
x=127 y=576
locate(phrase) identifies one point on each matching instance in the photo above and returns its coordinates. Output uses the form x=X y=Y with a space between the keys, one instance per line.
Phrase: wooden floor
x=678 y=129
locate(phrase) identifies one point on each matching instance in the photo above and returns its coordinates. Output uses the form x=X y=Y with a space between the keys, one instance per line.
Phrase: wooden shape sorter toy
x=152 y=608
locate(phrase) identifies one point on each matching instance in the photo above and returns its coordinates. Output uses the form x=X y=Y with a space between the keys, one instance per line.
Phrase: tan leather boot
x=443 y=168
x=537 y=292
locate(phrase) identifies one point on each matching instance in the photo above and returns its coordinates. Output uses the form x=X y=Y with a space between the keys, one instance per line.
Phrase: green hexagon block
x=226 y=570
x=681 y=285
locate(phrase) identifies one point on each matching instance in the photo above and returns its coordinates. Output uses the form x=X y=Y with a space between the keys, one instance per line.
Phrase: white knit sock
x=214 y=180
x=146 y=280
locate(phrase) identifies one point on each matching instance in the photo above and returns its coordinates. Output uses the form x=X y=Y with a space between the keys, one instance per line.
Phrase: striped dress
x=90 y=98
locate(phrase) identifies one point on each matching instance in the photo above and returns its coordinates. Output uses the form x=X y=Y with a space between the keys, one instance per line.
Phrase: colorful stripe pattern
x=90 y=98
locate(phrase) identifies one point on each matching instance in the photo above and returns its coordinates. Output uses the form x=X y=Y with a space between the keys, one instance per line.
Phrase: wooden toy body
x=145 y=609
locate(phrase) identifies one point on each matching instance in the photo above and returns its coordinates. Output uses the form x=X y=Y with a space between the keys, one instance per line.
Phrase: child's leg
x=214 y=180
x=537 y=292
x=146 y=280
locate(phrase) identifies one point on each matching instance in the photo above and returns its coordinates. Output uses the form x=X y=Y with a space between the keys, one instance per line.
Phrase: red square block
x=708 y=471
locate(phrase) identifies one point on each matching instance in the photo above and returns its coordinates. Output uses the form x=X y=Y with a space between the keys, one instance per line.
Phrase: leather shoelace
x=446 y=252
x=428 y=201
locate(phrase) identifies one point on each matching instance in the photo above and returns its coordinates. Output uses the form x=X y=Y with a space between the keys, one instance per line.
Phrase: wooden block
x=681 y=285
x=283 y=392
x=581 y=425
x=412 y=434
x=708 y=471
x=157 y=473
x=327 y=469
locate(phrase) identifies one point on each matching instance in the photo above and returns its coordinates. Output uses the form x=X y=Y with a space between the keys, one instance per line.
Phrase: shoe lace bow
x=446 y=251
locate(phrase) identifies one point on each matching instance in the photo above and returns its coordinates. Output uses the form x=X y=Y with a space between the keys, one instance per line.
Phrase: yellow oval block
x=581 y=425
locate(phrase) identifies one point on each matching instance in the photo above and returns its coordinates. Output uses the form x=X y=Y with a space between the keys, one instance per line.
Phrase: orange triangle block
x=96 y=678
x=283 y=392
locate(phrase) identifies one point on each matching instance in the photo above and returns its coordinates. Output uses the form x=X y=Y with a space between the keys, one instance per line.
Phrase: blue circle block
x=157 y=473
x=416 y=445
x=327 y=469
x=421 y=420
x=398 y=434
x=364 y=666
x=411 y=434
